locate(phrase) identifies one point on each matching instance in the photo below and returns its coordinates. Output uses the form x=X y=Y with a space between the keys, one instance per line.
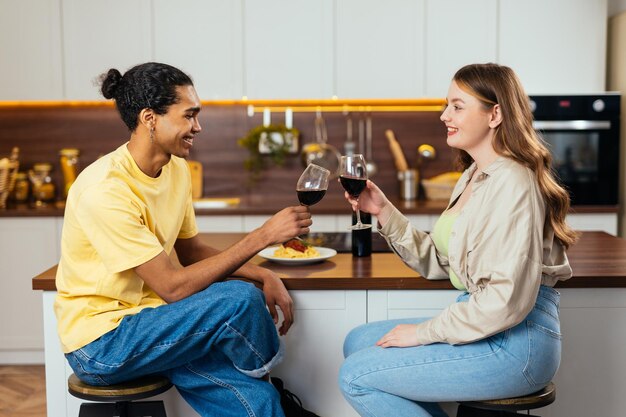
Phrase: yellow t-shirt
x=116 y=218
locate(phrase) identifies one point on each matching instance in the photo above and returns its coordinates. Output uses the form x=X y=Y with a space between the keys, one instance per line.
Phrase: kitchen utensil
x=349 y=145
x=372 y=169
x=320 y=152
x=396 y=150
x=195 y=169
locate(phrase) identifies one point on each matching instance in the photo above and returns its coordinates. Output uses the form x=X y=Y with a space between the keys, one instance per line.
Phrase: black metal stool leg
x=97 y=410
x=146 y=408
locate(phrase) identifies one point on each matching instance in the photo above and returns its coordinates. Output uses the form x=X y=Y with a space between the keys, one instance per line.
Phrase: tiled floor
x=22 y=391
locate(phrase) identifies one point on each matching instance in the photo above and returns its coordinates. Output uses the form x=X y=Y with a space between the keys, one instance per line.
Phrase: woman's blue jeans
x=411 y=381
x=214 y=346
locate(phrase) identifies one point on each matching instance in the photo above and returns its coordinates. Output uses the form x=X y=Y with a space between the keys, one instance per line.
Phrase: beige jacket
x=501 y=248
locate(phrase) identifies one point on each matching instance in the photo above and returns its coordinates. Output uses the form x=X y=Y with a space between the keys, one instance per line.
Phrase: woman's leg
x=365 y=337
x=406 y=381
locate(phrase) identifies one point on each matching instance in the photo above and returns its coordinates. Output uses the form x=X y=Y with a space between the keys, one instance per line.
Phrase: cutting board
x=195 y=168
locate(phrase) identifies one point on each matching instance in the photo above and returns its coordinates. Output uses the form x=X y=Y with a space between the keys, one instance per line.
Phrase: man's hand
x=287 y=224
x=276 y=295
x=403 y=335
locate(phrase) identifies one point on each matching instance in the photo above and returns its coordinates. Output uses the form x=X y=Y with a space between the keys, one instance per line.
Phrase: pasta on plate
x=287 y=252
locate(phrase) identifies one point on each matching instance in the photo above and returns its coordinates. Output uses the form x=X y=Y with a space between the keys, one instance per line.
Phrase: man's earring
x=152 y=135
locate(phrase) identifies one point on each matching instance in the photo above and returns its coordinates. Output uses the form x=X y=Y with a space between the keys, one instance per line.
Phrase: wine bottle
x=362 y=238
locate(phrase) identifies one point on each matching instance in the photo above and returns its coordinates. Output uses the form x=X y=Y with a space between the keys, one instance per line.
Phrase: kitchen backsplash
x=40 y=132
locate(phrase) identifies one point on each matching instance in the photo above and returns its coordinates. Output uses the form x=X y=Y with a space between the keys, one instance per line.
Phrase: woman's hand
x=276 y=295
x=372 y=200
x=403 y=335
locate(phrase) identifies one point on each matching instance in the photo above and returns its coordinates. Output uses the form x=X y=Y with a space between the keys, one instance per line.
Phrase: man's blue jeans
x=214 y=346
x=411 y=381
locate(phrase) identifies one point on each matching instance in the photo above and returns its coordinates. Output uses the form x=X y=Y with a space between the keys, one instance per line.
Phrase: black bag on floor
x=292 y=406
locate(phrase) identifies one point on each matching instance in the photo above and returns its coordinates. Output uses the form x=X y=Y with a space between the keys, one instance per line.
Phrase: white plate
x=325 y=253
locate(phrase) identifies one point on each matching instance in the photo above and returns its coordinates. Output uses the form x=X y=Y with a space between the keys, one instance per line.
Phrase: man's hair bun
x=111 y=83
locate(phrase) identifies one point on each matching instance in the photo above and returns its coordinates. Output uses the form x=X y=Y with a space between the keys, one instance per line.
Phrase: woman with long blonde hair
x=501 y=241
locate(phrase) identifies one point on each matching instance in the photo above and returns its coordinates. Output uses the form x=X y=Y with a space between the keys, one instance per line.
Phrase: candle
x=288 y=118
x=266 y=117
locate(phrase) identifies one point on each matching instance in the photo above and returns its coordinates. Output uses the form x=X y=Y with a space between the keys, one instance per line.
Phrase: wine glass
x=353 y=178
x=312 y=184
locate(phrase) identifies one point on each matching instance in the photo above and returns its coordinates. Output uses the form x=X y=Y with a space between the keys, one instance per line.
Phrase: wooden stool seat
x=508 y=406
x=117 y=400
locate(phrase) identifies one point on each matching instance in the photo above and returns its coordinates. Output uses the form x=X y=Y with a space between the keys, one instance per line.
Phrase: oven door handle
x=572 y=124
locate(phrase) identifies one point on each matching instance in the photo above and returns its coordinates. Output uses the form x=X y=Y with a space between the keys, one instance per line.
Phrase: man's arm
x=276 y=294
x=173 y=284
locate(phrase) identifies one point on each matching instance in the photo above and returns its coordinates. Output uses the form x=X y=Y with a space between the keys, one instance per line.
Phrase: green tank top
x=441 y=237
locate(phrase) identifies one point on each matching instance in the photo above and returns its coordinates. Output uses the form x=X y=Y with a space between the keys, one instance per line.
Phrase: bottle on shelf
x=44 y=191
x=69 y=162
x=21 y=190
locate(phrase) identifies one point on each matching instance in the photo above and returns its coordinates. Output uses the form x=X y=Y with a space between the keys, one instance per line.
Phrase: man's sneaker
x=292 y=406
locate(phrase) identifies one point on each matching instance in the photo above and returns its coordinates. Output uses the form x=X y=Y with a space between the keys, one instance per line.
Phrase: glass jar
x=44 y=191
x=21 y=189
x=69 y=162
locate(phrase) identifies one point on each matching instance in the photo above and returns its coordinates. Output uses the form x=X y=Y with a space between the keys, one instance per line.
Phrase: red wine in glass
x=312 y=184
x=310 y=197
x=353 y=178
x=354 y=186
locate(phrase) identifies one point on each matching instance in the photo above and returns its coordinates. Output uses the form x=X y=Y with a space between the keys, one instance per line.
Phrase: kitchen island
x=334 y=296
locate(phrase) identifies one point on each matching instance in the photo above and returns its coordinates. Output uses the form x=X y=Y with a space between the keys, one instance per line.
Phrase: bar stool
x=119 y=399
x=508 y=406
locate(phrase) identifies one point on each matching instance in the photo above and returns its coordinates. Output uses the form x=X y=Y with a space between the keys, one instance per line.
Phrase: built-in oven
x=583 y=134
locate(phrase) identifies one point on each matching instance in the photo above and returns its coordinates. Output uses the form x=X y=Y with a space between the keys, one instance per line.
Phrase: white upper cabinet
x=288 y=49
x=30 y=50
x=98 y=35
x=292 y=49
x=379 y=49
x=556 y=46
x=458 y=33
x=204 y=39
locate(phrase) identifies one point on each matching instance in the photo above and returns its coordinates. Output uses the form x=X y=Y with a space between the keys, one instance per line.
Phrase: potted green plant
x=268 y=144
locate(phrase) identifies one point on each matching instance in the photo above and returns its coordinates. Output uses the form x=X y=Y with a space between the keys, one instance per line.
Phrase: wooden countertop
x=598 y=261
x=268 y=205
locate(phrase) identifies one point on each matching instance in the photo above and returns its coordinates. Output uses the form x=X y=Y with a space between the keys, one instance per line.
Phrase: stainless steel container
x=408 y=181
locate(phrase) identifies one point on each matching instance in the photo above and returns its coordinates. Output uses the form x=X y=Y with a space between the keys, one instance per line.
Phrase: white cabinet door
x=219 y=224
x=606 y=222
x=592 y=374
x=458 y=33
x=27 y=248
x=556 y=46
x=204 y=39
x=423 y=222
x=388 y=305
x=98 y=35
x=30 y=47
x=288 y=49
x=314 y=348
x=379 y=49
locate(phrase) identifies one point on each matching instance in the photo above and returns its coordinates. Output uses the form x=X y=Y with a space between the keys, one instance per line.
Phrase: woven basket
x=437 y=190
x=8 y=170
